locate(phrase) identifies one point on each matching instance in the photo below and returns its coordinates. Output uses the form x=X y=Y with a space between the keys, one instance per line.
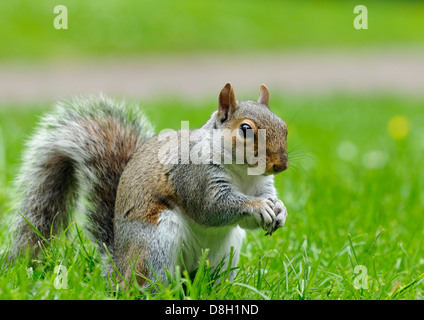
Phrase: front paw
x=280 y=215
x=259 y=213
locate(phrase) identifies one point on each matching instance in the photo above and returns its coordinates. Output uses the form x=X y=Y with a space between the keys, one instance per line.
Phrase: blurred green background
x=125 y=28
x=355 y=188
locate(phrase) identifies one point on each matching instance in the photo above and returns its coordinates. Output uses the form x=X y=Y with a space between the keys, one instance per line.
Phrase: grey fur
x=144 y=211
x=200 y=205
x=78 y=151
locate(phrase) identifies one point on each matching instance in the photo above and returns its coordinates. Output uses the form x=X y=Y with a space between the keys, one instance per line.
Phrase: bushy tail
x=78 y=152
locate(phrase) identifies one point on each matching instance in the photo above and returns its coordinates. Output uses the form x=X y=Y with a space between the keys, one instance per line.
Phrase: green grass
x=354 y=197
x=125 y=28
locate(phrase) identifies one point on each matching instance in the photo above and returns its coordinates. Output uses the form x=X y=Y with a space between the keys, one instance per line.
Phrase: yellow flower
x=398 y=127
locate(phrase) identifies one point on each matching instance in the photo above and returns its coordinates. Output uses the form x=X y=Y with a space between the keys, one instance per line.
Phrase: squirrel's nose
x=280 y=166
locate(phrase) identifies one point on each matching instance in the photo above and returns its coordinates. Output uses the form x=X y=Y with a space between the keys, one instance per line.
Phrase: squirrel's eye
x=243 y=128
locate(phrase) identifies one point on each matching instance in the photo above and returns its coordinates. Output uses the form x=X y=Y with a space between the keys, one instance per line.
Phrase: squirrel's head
x=251 y=119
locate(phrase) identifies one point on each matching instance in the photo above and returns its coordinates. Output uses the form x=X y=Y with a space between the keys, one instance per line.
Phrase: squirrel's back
x=79 y=151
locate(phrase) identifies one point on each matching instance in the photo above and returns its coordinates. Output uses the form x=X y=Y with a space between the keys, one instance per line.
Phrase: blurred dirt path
x=196 y=77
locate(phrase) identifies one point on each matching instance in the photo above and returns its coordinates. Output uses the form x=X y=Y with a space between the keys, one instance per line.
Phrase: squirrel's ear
x=227 y=102
x=263 y=95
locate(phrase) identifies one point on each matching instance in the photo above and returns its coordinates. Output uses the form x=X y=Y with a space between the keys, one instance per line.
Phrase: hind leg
x=154 y=248
x=143 y=249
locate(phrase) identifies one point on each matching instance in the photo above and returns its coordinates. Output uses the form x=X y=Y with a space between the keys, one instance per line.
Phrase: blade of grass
x=418 y=280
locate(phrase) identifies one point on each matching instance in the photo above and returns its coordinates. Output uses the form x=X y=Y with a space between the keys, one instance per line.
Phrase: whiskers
x=301 y=156
x=298 y=160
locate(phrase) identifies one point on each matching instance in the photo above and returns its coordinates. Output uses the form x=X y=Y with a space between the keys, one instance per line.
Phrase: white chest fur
x=250 y=185
x=191 y=240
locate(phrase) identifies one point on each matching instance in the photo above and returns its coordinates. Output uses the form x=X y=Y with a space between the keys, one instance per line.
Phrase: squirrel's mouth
x=276 y=168
x=272 y=168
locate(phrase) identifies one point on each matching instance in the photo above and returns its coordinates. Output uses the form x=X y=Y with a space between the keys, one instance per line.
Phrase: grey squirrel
x=144 y=211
